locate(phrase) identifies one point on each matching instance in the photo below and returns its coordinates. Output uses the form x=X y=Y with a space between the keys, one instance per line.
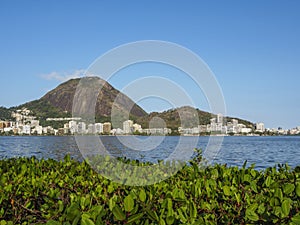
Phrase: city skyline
x=26 y=123
x=252 y=48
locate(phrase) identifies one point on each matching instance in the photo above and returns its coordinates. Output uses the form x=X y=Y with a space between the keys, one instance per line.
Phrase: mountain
x=59 y=101
x=186 y=117
x=5 y=113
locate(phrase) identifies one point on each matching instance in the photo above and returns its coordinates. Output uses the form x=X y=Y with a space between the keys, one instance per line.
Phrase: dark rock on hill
x=59 y=101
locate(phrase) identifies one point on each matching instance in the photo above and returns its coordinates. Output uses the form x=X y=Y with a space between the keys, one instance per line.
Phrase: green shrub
x=69 y=192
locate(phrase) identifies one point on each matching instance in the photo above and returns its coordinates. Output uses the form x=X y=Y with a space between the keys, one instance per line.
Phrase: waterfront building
x=220 y=118
x=1 y=125
x=128 y=126
x=81 y=128
x=137 y=128
x=106 y=127
x=26 y=129
x=99 y=128
x=73 y=127
x=246 y=130
x=39 y=130
x=34 y=123
x=91 y=129
x=260 y=127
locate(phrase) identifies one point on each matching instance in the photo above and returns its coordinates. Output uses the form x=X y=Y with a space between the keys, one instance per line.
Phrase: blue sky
x=252 y=47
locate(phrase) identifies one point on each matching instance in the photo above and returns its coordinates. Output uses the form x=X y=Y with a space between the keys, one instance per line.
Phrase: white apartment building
x=260 y=127
x=73 y=126
x=99 y=128
x=81 y=128
x=128 y=126
x=26 y=129
x=91 y=129
x=137 y=127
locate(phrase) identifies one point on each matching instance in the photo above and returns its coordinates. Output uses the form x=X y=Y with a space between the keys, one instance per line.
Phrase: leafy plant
x=69 y=192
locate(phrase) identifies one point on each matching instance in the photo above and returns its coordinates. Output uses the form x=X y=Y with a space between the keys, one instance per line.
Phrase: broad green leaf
x=128 y=203
x=261 y=208
x=298 y=190
x=253 y=186
x=278 y=194
x=170 y=220
x=251 y=215
x=268 y=181
x=142 y=195
x=85 y=220
x=288 y=188
x=277 y=211
x=253 y=207
x=285 y=207
x=118 y=213
x=226 y=190
x=162 y=222
x=296 y=218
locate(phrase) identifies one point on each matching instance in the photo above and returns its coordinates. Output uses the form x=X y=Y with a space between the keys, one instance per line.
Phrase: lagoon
x=263 y=151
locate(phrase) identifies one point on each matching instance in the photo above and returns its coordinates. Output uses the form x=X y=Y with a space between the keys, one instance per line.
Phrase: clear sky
x=252 y=47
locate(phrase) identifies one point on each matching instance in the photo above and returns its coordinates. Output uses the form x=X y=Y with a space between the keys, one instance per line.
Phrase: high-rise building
x=128 y=126
x=220 y=118
x=91 y=129
x=99 y=128
x=73 y=127
x=81 y=128
x=260 y=127
x=106 y=127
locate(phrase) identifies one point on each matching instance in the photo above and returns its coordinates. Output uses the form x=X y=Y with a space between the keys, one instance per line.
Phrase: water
x=263 y=151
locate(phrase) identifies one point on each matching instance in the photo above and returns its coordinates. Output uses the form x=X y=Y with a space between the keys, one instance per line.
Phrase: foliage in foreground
x=68 y=192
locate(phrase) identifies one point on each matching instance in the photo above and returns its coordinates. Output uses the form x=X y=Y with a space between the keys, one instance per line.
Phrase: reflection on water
x=263 y=151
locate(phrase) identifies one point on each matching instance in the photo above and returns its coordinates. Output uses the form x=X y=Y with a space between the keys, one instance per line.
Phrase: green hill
x=59 y=101
x=5 y=113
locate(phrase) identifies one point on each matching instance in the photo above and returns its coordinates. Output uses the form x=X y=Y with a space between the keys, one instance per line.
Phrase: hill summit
x=59 y=102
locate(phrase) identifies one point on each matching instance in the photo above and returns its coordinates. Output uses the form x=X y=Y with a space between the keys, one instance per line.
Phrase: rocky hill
x=186 y=117
x=59 y=101
x=5 y=113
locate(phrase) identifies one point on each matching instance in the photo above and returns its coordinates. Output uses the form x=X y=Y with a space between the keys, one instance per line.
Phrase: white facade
x=91 y=129
x=99 y=128
x=73 y=127
x=260 y=127
x=220 y=118
x=81 y=128
x=128 y=126
x=26 y=129
x=137 y=127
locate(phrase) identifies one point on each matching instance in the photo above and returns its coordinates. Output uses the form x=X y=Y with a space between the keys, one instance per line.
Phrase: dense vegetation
x=5 y=114
x=189 y=120
x=69 y=192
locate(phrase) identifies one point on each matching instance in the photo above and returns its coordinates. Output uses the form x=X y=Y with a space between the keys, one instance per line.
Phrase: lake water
x=263 y=151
